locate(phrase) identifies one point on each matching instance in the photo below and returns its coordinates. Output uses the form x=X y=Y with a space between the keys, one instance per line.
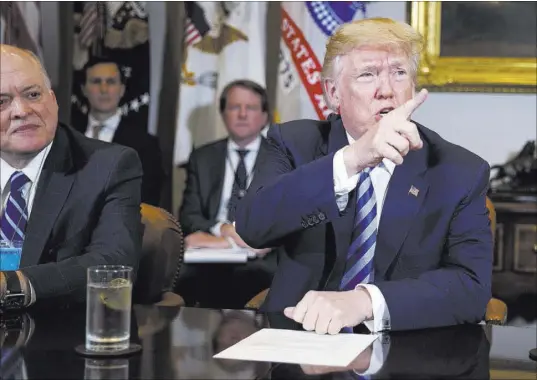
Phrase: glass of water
x=108 y=308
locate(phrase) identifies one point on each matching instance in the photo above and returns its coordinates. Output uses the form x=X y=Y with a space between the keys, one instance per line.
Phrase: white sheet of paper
x=213 y=255
x=299 y=347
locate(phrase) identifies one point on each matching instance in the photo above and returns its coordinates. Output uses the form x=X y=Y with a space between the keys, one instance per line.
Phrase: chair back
x=496 y=313
x=163 y=251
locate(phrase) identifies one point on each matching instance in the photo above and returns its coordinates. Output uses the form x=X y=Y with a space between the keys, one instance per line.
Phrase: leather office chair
x=163 y=251
x=496 y=313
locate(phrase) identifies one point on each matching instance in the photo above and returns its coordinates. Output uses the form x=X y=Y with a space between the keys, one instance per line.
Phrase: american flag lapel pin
x=414 y=191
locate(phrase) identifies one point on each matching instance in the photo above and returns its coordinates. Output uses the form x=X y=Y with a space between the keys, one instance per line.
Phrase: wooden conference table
x=179 y=343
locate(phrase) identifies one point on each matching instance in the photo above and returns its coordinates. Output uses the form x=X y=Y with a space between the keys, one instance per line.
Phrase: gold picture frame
x=466 y=74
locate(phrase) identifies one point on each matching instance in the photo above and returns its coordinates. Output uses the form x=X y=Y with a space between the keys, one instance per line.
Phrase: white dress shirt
x=232 y=161
x=343 y=185
x=33 y=172
x=109 y=126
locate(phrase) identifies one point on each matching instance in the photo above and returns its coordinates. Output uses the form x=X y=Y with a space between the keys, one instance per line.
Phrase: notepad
x=299 y=347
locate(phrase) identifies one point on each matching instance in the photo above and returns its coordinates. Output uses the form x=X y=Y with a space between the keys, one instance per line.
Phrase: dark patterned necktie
x=13 y=220
x=239 y=185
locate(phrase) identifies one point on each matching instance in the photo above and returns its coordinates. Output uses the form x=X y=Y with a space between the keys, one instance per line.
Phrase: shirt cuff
x=378 y=357
x=343 y=184
x=381 y=314
x=232 y=242
x=215 y=230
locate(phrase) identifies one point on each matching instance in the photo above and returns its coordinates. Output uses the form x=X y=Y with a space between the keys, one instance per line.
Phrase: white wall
x=494 y=126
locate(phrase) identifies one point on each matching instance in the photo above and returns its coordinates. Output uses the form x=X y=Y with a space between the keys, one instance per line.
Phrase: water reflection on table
x=180 y=344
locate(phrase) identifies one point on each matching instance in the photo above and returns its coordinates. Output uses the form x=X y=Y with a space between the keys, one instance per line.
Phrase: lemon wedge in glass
x=117 y=295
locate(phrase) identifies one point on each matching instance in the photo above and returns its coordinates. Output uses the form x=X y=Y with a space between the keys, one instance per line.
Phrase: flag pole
x=169 y=98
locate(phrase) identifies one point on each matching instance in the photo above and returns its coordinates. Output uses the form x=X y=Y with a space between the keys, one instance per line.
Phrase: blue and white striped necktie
x=359 y=266
x=15 y=216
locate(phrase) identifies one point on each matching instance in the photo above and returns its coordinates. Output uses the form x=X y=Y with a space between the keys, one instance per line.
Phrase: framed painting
x=485 y=46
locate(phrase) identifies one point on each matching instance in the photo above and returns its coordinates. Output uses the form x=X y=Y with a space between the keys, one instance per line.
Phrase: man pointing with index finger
x=383 y=221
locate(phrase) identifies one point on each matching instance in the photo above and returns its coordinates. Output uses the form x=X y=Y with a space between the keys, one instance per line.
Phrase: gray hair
x=34 y=58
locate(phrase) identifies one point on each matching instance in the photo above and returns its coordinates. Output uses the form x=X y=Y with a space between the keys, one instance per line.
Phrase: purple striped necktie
x=15 y=216
x=359 y=266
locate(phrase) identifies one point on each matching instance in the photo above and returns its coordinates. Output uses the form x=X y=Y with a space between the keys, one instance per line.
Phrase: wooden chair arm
x=170 y=299
x=257 y=301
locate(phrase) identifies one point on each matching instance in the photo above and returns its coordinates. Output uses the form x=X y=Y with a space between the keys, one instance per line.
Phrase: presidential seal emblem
x=329 y=15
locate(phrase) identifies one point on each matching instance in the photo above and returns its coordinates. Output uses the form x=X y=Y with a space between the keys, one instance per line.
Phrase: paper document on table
x=299 y=347
x=217 y=255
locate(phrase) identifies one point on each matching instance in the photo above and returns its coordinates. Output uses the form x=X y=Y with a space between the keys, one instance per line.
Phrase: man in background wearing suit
x=74 y=202
x=219 y=174
x=104 y=86
x=383 y=221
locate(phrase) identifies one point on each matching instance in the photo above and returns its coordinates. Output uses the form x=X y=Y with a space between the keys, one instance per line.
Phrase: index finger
x=412 y=105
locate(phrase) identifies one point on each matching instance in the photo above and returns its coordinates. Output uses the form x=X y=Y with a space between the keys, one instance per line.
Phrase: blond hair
x=378 y=32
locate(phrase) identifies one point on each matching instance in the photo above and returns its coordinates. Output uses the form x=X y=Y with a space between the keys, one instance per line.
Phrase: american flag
x=92 y=24
x=88 y=24
x=192 y=34
x=196 y=24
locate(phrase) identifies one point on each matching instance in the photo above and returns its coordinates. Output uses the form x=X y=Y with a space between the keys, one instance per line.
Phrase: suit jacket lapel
x=52 y=190
x=405 y=194
x=217 y=171
x=82 y=124
x=337 y=139
x=261 y=155
x=121 y=135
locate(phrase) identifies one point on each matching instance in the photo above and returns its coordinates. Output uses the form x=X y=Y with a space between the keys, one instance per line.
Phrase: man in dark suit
x=104 y=85
x=219 y=174
x=74 y=202
x=327 y=187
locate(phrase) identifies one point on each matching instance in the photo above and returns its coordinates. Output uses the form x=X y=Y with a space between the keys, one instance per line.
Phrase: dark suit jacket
x=86 y=212
x=205 y=180
x=433 y=258
x=148 y=149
